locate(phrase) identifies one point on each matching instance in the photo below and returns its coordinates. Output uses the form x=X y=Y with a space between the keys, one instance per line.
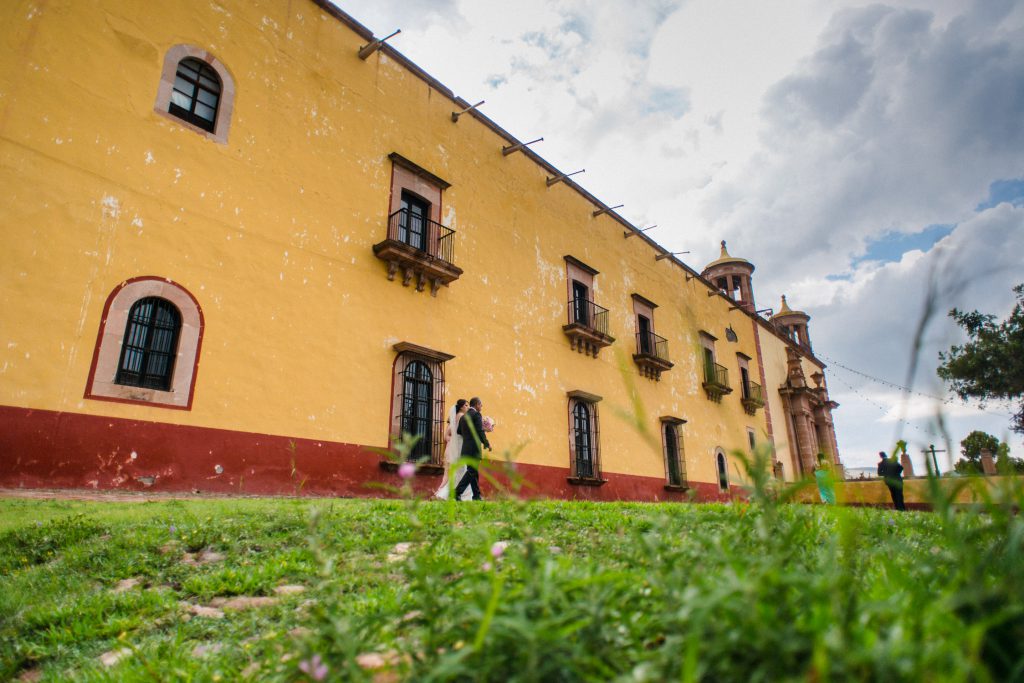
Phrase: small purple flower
x=498 y=549
x=486 y=566
x=406 y=470
x=38 y=523
x=173 y=529
x=314 y=668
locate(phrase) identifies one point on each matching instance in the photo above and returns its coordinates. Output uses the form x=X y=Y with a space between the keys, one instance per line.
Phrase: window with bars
x=150 y=344
x=675 y=462
x=418 y=408
x=196 y=93
x=584 y=439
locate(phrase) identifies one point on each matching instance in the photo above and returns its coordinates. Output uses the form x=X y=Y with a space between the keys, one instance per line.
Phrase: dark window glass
x=751 y=439
x=723 y=475
x=745 y=382
x=644 y=323
x=417 y=404
x=580 y=309
x=584 y=440
x=196 y=93
x=412 y=225
x=675 y=476
x=150 y=344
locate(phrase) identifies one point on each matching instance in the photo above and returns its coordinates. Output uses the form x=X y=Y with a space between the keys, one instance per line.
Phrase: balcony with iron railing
x=651 y=354
x=716 y=381
x=588 y=327
x=752 y=397
x=420 y=248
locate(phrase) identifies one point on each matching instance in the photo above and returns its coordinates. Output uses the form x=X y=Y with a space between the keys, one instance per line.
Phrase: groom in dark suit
x=471 y=429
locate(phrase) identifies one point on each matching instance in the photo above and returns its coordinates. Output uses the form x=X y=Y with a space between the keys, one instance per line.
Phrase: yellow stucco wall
x=272 y=233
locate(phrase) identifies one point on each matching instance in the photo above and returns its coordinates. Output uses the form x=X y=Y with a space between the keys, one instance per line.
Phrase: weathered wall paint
x=272 y=233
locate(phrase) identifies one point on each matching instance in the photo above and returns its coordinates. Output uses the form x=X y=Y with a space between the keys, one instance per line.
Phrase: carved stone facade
x=809 y=415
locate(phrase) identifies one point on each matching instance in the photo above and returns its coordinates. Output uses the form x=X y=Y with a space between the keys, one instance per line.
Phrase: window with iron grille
x=418 y=407
x=196 y=93
x=149 y=345
x=675 y=463
x=584 y=438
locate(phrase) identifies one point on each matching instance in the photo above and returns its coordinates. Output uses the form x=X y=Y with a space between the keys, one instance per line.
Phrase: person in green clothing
x=826 y=482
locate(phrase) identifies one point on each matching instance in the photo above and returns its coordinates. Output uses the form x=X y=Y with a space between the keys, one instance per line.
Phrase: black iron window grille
x=674 y=462
x=196 y=93
x=421 y=233
x=421 y=406
x=651 y=344
x=588 y=314
x=150 y=344
x=585 y=440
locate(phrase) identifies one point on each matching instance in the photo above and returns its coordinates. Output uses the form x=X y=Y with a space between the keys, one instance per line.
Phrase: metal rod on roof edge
x=606 y=209
x=667 y=254
x=457 y=114
x=558 y=179
x=629 y=233
x=374 y=45
x=509 y=149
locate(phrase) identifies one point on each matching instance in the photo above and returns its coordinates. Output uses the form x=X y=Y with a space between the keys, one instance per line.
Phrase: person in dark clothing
x=891 y=472
x=474 y=440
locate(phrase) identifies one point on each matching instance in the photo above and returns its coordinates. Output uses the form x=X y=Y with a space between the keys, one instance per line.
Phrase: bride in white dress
x=452 y=452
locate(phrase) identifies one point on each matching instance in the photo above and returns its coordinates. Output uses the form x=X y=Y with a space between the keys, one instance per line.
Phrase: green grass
x=629 y=592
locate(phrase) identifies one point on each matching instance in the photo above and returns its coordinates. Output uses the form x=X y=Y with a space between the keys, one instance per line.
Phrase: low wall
x=873 y=492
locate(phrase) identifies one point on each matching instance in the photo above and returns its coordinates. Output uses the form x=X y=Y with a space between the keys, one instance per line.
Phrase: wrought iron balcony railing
x=421 y=233
x=420 y=248
x=588 y=314
x=716 y=381
x=651 y=355
x=752 y=391
x=716 y=374
x=753 y=397
x=650 y=344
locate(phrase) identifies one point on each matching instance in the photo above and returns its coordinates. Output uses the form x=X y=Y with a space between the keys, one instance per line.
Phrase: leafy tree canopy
x=990 y=366
x=971 y=448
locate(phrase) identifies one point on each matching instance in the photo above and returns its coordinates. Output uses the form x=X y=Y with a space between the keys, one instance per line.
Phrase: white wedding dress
x=452 y=452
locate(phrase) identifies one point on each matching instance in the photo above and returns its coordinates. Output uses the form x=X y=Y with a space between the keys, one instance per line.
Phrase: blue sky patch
x=1004 y=191
x=892 y=245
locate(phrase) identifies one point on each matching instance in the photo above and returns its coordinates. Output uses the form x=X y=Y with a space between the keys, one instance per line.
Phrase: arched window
x=418 y=407
x=196 y=93
x=723 y=472
x=196 y=90
x=149 y=346
x=147 y=349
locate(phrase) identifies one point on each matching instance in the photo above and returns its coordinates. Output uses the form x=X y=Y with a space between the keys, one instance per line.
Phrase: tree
x=971 y=447
x=990 y=366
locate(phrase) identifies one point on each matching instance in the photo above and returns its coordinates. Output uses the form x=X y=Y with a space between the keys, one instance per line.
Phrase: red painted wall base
x=47 y=449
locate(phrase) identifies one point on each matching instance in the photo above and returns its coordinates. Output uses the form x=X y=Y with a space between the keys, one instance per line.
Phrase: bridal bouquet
x=489 y=424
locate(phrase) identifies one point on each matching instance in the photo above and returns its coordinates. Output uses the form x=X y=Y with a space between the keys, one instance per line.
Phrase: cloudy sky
x=868 y=158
